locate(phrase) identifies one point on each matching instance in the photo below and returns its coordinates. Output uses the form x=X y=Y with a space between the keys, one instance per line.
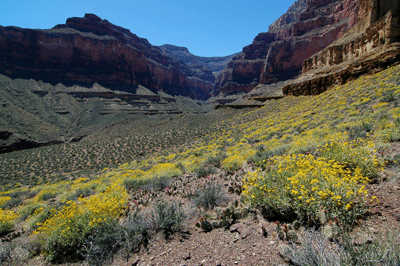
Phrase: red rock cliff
x=87 y=50
x=307 y=27
x=377 y=26
x=371 y=45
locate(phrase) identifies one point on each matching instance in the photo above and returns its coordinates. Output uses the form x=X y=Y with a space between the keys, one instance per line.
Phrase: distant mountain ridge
x=206 y=67
x=88 y=50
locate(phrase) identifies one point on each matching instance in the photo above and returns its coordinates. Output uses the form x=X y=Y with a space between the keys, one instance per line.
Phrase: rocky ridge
x=205 y=68
x=88 y=50
x=34 y=113
x=277 y=55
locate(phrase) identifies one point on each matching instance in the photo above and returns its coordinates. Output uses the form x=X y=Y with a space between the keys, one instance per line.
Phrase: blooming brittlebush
x=73 y=222
x=7 y=218
x=4 y=200
x=309 y=185
x=308 y=155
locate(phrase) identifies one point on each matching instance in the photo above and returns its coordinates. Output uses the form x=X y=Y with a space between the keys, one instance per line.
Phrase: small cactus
x=223 y=223
x=286 y=232
x=235 y=203
x=245 y=212
x=291 y=236
x=296 y=225
x=215 y=225
x=322 y=216
x=228 y=212
x=206 y=226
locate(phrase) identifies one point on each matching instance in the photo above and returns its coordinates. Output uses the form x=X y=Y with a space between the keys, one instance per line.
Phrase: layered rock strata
x=88 y=50
x=34 y=113
x=205 y=68
x=371 y=45
x=307 y=27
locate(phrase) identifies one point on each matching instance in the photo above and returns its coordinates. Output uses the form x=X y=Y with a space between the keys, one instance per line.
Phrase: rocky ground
x=247 y=239
x=255 y=241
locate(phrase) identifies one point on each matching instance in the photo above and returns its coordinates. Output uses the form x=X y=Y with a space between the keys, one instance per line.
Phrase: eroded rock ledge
x=370 y=46
x=307 y=28
x=90 y=49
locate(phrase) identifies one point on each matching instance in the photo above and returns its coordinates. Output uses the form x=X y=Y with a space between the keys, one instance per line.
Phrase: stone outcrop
x=205 y=68
x=371 y=45
x=373 y=30
x=307 y=27
x=88 y=50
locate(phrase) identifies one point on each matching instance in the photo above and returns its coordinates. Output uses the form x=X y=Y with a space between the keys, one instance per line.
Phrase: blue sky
x=205 y=27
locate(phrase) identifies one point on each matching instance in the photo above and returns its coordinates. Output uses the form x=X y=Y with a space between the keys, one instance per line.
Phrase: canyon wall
x=307 y=27
x=374 y=29
x=371 y=45
x=88 y=50
x=205 y=68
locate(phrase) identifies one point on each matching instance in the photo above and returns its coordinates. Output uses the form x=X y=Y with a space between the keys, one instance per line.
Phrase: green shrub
x=209 y=196
x=360 y=131
x=32 y=194
x=263 y=155
x=157 y=183
x=383 y=250
x=97 y=243
x=45 y=213
x=28 y=210
x=391 y=134
x=18 y=194
x=47 y=195
x=133 y=184
x=215 y=160
x=167 y=217
x=305 y=187
x=6 y=227
x=203 y=171
x=388 y=96
x=181 y=167
x=102 y=242
x=137 y=230
x=315 y=250
x=81 y=192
